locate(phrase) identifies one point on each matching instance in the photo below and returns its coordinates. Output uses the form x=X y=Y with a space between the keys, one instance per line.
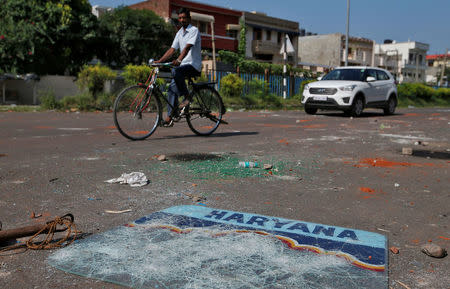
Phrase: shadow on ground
x=365 y=114
x=431 y=154
x=219 y=134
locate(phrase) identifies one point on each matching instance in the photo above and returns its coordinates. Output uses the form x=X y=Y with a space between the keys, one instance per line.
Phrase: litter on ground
x=134 y=179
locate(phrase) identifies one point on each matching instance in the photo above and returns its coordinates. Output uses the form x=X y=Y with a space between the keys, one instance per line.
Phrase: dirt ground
x=328 y=169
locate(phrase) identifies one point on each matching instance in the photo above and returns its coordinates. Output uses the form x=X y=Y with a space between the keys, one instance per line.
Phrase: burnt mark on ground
x=189 y=157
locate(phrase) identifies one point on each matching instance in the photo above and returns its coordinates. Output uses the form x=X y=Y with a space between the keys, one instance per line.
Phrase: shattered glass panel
x=200 y=247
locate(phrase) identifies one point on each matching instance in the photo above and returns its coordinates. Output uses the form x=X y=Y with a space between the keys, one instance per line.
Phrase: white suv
x=351 y=89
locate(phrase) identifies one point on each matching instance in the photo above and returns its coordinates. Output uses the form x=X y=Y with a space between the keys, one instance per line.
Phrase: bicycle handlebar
x=152 y=63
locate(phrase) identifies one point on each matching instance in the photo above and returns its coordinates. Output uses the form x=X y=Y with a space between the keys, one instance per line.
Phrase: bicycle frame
x=133 y=103
x=151 y=87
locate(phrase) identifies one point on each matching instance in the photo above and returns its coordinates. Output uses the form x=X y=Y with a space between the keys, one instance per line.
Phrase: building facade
x=405 y=60
x=98 y=10
x=328 y=50
x=436 y=69
x=264 y=37
x=210 y=20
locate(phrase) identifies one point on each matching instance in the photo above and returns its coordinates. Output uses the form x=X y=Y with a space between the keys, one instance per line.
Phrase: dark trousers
x=178 y=86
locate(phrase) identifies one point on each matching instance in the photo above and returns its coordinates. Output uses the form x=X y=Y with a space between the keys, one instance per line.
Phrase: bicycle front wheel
x=205 y=111
x=137 y=112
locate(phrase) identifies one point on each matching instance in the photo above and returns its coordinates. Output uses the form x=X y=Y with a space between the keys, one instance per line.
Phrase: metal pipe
x=346 y=35
x=21 y=232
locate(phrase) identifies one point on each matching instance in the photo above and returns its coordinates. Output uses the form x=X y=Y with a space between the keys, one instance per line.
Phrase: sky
x=399 y=20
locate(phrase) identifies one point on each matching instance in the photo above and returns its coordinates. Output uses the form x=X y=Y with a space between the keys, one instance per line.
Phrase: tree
x=129 y=36
x=45 y=36
x=242 y=39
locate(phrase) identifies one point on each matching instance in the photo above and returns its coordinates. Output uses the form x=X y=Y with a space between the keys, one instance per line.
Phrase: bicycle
x=138 y=111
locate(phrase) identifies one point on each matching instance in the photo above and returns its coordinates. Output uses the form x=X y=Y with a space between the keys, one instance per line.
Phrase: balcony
x=413 y=64
x=265 y=47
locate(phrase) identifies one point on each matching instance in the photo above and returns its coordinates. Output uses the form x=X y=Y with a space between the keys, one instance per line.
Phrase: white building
x=405 y=60
x=98 y=10
x=265 y=36
x=328 y=50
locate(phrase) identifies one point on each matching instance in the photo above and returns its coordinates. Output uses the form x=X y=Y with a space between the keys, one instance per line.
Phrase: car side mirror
x=319 y=78
x=370 y=79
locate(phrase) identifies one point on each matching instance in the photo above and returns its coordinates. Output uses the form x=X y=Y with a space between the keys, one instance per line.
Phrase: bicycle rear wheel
x=204 y=114
x=137 y=112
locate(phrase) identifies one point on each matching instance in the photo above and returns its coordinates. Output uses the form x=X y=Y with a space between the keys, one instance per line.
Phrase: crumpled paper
x=134 y=179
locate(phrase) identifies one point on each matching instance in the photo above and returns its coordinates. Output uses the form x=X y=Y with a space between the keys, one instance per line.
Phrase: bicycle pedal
x=167 y=124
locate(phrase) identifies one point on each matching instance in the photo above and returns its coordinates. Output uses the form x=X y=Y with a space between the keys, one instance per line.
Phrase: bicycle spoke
x=136 y=113
x=205 y=111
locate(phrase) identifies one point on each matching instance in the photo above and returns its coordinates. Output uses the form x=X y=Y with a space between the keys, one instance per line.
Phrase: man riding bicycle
x=188 y=64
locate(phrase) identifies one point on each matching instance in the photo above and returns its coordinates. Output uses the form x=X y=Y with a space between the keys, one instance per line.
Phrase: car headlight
x=306 y=87
x=347 y=87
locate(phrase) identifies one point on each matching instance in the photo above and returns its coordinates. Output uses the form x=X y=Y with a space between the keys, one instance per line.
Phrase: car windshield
x=345 y=74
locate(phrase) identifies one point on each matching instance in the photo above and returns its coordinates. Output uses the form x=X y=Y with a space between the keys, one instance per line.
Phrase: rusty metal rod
x=22 y=232
x=12 y=234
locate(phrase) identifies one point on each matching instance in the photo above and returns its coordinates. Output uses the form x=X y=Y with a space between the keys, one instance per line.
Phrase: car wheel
x=357 y=106
x=390 y=106
x=310 y=110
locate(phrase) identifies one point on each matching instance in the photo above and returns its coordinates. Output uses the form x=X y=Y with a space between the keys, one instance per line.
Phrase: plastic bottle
x=248 y=164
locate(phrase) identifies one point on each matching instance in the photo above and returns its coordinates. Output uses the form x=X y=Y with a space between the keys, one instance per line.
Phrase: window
x=280 y=36
x=381 y=75
x=264 y=57
x=202 y=26
x=232 y=33
x=345 y=74
x=268 y=35
x=257 y=34
x=371 y=72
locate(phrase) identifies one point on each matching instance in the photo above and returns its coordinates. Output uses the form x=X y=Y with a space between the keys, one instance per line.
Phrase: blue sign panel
x=201 y=247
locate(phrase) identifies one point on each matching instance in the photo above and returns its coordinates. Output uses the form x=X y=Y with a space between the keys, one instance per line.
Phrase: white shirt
x=189 y=36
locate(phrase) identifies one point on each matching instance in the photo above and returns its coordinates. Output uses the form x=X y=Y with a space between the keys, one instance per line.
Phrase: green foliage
x=277 y=69
x=305 y=82
x=415 y=90
x=231 y=86
x=242 y=39
x=201 y=78
x=134 y=74
x=443 y=93
x=259 y=95
x=251 y=66
x=104 y=101
x=418 y=94
x=45 y=37
x=48 y=99
x=68 y=102
x=93 y=78
x=132 y=36
x=258 y=87
x=257 y=67
x=229 y=57
x=83 y=101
